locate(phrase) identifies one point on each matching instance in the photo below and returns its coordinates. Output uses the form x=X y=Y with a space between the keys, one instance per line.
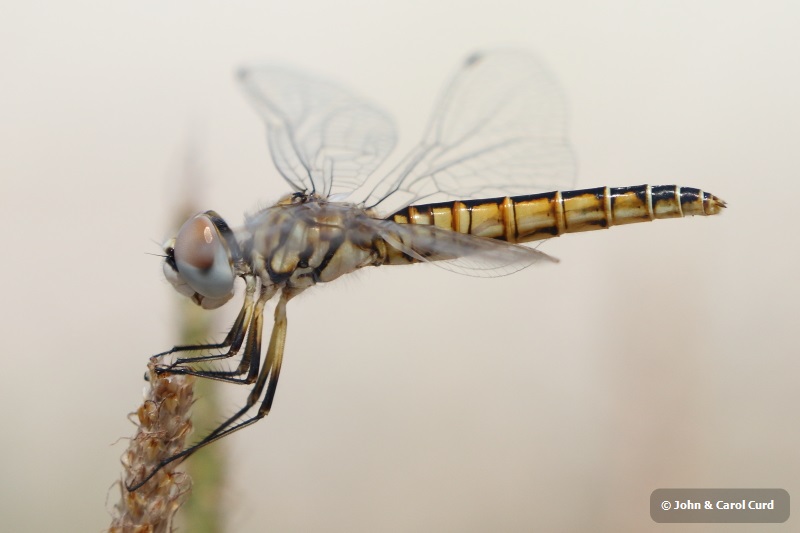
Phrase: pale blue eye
x=203 y=259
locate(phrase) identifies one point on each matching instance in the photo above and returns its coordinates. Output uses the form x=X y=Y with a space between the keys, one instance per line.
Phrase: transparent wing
x=498 y=129
x=323 y=139
x=457 y=252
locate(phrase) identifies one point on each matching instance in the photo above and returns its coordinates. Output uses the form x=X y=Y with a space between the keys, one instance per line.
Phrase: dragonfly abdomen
x=518 y=219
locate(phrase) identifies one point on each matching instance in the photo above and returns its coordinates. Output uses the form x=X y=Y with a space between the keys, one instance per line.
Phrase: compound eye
x=203 y=259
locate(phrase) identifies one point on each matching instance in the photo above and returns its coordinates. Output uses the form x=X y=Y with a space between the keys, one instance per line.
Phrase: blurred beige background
x=411 y=399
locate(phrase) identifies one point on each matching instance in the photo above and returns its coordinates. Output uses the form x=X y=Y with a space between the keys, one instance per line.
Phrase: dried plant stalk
x=164 y=424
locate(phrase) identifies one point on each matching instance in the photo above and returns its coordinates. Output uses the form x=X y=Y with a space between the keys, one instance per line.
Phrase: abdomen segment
x=534 y=217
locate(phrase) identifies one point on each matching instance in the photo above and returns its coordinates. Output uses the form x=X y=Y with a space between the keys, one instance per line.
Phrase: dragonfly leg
x=268 y=376
x=233 y=340
x=250 y=361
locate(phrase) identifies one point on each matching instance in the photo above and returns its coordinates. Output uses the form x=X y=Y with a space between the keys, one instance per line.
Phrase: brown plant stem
x=164 y=424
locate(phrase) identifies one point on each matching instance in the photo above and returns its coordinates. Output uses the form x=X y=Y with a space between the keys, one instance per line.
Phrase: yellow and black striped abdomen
x=542 y=216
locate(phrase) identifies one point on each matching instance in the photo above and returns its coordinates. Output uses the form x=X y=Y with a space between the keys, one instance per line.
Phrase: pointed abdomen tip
x=712 y=204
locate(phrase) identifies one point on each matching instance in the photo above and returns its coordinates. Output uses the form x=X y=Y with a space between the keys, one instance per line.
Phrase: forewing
x=499 y=129
x=323 y=139
x=458 y=252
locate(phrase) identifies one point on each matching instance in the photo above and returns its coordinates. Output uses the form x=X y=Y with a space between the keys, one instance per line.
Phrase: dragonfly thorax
x=304 y=241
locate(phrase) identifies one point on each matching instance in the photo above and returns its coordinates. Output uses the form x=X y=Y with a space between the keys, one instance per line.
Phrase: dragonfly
x=465 y=199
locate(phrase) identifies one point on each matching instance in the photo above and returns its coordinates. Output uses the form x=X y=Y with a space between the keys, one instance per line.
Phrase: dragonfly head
x=200 y=260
